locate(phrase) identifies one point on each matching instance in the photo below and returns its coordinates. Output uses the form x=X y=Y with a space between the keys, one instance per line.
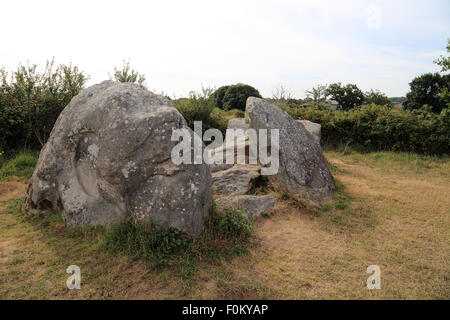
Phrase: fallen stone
x=251 y=206
x=235 y=180
x=240 y=144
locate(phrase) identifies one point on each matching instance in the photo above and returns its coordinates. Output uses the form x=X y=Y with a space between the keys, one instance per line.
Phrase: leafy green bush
x=145 y=240
x=226 y=233
x=236 y=113
x=229 y=224
x=199 y=107
x=217 y=96
x=127 y=74
x=30 y=103
x=234 y=96
x=378 y=98
x=380 y=128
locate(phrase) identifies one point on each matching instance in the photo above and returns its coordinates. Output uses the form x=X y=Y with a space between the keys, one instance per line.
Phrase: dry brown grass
x=393 y=212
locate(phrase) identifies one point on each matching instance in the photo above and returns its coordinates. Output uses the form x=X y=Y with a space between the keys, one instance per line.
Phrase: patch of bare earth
x=11 y=190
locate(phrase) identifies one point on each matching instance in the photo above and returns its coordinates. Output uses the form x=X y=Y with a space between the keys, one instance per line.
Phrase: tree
x=281 y=93
x=218 y=95
x=443 y=61
x=127 y=74
x=376 y=97
x=31 y=101
x=317 y=93
x=428 y=89
x=200 y=107
x=397 y=99
x=234 y=96
x=348 y=97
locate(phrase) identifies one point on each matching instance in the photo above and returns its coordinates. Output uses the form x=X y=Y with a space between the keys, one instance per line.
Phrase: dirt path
x=11 y=190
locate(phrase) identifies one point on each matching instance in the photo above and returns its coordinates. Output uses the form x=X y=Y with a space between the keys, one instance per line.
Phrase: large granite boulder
x=109 y=157
x=303 y=170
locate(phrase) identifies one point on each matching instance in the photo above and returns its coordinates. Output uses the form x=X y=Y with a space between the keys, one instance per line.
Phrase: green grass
x=375 y=217
x=389 y=161
x=20 y=165
x=345 y=213
x=227 y=233
x=137 y=239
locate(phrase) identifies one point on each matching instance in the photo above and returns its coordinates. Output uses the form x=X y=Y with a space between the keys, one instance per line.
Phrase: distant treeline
x=31 y=101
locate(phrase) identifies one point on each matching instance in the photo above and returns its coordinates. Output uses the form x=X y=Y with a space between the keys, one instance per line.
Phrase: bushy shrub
x=378 y=98
x=141 y=239
x=127 y=74
x=380 y=128
x=236 y=113
x=30 y=103
x=226 y=233
x=199 y=107
x=229 y=224
x=234 y=96
x=217 y=96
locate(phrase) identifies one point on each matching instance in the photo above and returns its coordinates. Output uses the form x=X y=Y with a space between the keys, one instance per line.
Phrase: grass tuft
x=20 y=165
x=226 y=234
x=145 y=240
x=344 y=213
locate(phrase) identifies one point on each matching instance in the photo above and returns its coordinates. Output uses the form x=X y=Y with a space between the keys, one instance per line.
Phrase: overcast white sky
x=182 y=45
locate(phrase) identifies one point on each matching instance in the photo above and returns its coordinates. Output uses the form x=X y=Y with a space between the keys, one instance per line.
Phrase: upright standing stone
x=303 y=169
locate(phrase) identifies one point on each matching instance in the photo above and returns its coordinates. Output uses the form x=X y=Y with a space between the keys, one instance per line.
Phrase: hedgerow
x=30 y=103
x=380 y=128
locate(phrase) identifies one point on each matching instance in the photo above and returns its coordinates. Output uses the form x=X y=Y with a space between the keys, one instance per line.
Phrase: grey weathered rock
x=303 y=169
x=109 y=157
x=235 y=180
x=220 y=167
x=240 y=142
x=238 y=123
x=314 y=128
x=251 y=206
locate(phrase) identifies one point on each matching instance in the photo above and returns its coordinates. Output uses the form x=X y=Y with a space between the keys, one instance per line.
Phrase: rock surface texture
x=314 y=128
x=303 y=170
x=251 y=206
x=109 y=157
x=234 y=178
